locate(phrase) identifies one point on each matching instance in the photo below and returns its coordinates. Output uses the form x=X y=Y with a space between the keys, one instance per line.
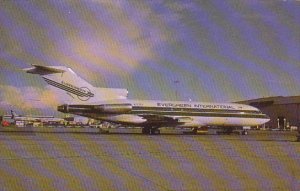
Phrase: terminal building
x=284 y=112
x=21 y=121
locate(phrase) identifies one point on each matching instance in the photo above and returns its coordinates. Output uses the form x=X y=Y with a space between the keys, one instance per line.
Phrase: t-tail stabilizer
x=81 y=91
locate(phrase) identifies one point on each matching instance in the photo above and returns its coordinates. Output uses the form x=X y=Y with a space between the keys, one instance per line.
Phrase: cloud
x=49 y=98
x=13 y=97
x=27 y=98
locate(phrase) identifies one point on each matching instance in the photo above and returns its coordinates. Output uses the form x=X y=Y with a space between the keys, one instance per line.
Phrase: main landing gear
x=232 y=130
x=195 y=130
x=244 y=132
x=225 y=131
x=150 y=131
x=298 y=136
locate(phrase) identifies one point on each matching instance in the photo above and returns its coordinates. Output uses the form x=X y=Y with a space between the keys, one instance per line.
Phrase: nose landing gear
x=244 y=132
x=150 y=131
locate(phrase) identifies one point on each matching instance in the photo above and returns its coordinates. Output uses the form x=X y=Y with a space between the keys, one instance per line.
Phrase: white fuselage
x=174 y=113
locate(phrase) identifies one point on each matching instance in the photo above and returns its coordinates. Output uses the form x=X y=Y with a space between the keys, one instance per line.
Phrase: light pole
x=176 y=93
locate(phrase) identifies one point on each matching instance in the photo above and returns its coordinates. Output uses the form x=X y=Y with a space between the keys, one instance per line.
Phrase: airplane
x=112 y=105
x=17 y=117
x=14 y=118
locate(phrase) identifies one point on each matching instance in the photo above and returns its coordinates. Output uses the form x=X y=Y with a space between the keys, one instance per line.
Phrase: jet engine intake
x=74 y=108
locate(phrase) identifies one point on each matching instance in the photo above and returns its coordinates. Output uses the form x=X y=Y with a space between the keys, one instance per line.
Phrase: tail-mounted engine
x=105 y=108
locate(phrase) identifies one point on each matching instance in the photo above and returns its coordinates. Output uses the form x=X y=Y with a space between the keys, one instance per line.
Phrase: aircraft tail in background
x=13 y=114
x=81 y=91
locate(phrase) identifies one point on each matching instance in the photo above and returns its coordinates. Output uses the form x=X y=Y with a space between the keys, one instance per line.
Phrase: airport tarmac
x=81 y=159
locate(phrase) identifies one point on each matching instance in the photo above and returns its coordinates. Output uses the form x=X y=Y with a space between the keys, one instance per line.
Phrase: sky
x=215 y=51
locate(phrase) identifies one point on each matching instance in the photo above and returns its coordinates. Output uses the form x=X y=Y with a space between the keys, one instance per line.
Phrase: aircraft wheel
x=146 y=131
x=194 y=131
x=102 y=131
x=229 y=130
x=155 y=131
x=298 y=138
x=244 y=132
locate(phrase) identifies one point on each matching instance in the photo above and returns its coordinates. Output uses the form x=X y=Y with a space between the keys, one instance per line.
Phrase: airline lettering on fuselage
x=184 y=105
x=213 y=106
x=200 y=106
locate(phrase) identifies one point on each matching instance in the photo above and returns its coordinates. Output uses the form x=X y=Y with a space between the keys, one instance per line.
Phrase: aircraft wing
x=119 y=109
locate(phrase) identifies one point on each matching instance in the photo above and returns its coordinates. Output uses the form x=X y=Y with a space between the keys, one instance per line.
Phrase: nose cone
x=266 y=118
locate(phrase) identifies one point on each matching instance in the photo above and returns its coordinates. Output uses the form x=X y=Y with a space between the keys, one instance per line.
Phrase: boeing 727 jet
x=112 y=105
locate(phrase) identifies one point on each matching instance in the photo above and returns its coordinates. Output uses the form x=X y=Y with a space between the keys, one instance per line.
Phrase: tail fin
x=81 y=91
x=13 y=114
